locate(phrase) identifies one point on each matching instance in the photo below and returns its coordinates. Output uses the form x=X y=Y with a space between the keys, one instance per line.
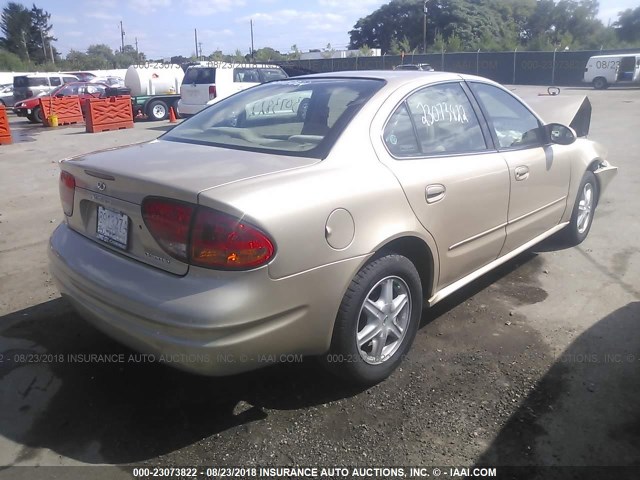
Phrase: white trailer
x=605 y=70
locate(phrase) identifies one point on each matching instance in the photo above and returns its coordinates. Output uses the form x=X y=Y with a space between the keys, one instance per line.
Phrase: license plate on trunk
x=113 y=227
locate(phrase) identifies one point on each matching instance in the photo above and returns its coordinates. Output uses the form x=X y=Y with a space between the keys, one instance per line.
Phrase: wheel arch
x=419 y=253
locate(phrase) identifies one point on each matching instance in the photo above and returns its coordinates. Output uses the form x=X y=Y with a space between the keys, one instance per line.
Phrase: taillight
x=205 y=237
x=222 y=241
x=212 y=92
x=67 y=188
x=169 y=222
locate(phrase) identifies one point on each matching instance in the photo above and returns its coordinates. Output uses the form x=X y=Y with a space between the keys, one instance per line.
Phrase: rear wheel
x=600 y=83
x=377 y=320
x=158 y=110
x=583 y=210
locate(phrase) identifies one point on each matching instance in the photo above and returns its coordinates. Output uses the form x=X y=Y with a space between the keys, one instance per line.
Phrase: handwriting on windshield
x=442 y=112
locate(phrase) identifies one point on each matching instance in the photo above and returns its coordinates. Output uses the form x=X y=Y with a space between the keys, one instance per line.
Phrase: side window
x=445 y=120
x=514 y=125
x=69 y=79
x=399 y=136
x=95 y=89
x=55 y=81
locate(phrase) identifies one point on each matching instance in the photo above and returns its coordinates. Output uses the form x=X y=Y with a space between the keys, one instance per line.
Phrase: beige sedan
x=235 y=240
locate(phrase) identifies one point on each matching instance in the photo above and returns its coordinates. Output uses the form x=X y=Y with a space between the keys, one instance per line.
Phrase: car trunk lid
x=110 y=186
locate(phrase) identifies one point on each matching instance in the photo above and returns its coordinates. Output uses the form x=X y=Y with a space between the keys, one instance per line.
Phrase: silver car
x=235 y=241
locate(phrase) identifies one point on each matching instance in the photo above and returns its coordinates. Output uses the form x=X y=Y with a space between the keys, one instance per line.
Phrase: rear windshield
x=22 y=81
x=271 y=74
x=291 y=117
x=199 y=75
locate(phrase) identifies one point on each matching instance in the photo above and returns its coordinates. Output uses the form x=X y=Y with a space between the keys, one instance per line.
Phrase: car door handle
x=521 y=173
x=434 y=193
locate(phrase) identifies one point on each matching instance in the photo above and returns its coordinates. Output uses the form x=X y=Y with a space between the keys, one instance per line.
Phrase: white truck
x=605 y=70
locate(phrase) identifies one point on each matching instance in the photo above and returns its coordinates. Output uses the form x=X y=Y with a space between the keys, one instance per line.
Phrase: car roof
x=392 y=76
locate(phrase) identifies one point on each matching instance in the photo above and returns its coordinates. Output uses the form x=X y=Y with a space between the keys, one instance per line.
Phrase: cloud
x=287 y=16
x=74 y=33
x=65 y=19
x=149 y=6
x=201 y=8
x=102 y=16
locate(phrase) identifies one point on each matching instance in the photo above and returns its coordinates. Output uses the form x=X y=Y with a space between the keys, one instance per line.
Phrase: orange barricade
x=5 y=130
x=67 y=109
x=111 y=113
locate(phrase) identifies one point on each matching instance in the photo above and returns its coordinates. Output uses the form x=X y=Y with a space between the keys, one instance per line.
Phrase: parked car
x=418 y=66
x=112 y=81
x=31 y=110
x=229 y=247
x=6 y=95
x=210 y=82
x=38 y=84
x=83 y=76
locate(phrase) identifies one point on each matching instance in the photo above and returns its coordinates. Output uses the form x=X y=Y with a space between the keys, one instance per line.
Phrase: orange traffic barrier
x=172 y=115
x=112 y=113
x=5 y=130
x=67 y=109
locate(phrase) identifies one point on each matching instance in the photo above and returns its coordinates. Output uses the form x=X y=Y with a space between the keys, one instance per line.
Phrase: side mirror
x=560 y=134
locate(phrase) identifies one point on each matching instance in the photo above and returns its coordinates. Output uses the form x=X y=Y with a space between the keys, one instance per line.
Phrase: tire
x=303 y=108
x=36 y=116
x=600 y=83
x=583 y=210
x=158 y=110
x=370 y=339
x=31 y=118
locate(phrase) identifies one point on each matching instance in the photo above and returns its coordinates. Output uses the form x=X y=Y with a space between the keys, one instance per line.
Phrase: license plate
x=113 y=227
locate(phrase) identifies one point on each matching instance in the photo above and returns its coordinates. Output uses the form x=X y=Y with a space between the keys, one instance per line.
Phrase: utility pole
x=137 y=53
x=44 y=47
x=53 y=60
x=253 y=57
x=200 y=57
x=195 y=32
x=424 y=30
x=24 y=43
x=121 y=37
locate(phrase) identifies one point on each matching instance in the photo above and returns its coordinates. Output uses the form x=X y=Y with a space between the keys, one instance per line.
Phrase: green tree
x=328 y=51
x=11 y=62
x=627 y=27
x=15 y=23
x=295 y=53
x=40 y=44
x=268 y=54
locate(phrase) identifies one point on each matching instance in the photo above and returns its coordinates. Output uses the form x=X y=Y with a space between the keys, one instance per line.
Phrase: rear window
x=199 y=75
x=289 y=117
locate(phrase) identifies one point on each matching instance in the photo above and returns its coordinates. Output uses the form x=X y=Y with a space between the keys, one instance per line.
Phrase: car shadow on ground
x=110 y=411
x=569 y=419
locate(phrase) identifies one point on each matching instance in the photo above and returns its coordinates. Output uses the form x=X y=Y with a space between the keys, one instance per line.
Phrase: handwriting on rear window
x=442 y=112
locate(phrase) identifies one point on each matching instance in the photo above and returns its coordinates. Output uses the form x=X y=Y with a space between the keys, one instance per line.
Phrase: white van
x=217 y=80
x=605 y=70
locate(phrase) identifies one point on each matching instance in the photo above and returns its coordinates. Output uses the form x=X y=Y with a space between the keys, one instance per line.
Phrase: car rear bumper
x=207 y=322
x=189 y=108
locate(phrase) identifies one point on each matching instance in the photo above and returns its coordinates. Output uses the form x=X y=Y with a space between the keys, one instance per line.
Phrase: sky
x=166 y=27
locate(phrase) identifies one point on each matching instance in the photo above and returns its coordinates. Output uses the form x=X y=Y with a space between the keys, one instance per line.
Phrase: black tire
x=577 y=231
x=31 y=118
x=303 y=108
x=36 y=116
x=346 y=358
x=600 y=83
x=2 y=104
x=158 y=110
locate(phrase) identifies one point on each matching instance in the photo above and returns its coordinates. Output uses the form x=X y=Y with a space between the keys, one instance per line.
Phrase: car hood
x=574 y=111
x=171 y=169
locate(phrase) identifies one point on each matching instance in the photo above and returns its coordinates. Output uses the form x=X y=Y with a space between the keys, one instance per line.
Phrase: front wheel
x=377 y=320
x=583 y=210
x=158 y=110
x=36 y=116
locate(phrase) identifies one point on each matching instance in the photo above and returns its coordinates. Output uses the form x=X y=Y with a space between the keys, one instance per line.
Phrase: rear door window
x=37 y=81
x=270 y=74
x=69 y=79
x=55 y=81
